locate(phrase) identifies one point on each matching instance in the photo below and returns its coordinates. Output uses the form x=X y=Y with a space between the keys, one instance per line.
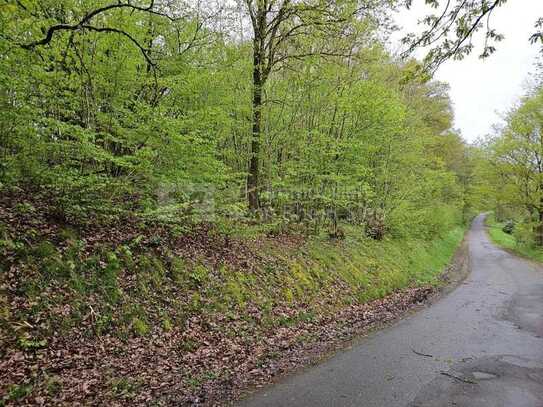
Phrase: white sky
x=483 y=89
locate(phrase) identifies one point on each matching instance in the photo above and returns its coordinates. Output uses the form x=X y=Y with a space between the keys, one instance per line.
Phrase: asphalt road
x=483 y=344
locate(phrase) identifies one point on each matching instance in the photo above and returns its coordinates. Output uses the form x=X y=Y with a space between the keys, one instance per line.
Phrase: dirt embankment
x=132 y=314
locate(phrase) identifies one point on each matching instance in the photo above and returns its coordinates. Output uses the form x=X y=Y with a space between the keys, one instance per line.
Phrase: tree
x=279 y=26
x=517 y=156
x=85 y=23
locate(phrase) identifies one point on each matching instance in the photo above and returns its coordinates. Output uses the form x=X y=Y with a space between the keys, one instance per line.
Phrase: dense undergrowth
x=209 y=296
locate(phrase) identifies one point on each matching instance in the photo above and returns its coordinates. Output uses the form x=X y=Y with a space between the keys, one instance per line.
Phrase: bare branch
x=87 y=19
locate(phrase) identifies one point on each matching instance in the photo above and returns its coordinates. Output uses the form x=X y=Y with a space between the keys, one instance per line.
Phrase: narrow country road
x=480 y=346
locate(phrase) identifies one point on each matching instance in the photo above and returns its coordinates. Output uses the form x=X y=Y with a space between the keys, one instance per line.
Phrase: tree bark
x=254 y=163
x=539 y=237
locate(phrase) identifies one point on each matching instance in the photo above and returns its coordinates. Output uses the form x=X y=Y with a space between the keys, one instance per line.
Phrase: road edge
x=453 y=275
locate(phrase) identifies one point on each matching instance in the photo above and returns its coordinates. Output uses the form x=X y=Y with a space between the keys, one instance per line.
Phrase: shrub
x=509 y=227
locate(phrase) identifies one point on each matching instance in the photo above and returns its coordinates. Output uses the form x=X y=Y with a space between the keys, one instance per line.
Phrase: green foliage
x=521 y=241
x=199 y=275
x=17 y=392
x=512 y=173
x=167 y=324
x=140 y=327
x=509 y=227
x=178 y=270
x=109 y=135
x=26 y=342
x=53 y=385
x=124 y=388
x=358 y=154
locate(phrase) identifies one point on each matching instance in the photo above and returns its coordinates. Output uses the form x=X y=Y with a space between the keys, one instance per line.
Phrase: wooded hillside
x=193 y=193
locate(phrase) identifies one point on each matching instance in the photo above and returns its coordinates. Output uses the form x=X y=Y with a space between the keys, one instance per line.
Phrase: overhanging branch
x=84 y=24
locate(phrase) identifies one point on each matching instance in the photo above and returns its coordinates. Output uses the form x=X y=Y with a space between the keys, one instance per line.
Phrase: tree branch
x=143 y=50
x=83 y=23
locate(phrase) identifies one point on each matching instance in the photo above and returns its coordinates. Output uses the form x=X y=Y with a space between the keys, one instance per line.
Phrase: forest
x=195 y=194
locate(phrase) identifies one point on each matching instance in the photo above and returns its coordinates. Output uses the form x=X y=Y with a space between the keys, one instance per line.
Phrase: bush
x=509 y=227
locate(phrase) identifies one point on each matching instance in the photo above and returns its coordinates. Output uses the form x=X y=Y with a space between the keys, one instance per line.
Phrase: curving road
x=480 y=346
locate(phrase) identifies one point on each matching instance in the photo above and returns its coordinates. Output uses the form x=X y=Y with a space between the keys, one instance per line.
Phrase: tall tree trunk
x=539 y=237
x=254 y=163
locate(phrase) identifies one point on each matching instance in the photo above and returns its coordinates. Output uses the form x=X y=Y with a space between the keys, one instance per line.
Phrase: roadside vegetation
x=125 y=314
x=509 y=176
x=500 y=234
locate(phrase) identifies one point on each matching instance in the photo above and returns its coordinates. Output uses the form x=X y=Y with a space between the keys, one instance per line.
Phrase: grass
x=370 y=269
x=355 y=270
x=507 y=241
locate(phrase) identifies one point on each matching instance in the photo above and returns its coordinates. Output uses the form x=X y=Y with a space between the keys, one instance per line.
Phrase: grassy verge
x=508 y=241
x=373 y=269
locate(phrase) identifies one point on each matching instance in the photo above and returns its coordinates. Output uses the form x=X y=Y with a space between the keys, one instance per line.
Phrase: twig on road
x=462 y=379
x=422 y=354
